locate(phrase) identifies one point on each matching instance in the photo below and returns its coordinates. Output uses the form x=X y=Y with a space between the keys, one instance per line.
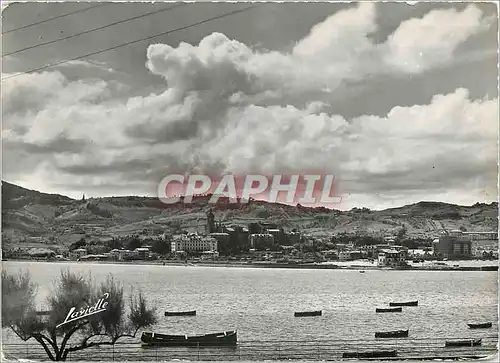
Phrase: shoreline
x=314 y=266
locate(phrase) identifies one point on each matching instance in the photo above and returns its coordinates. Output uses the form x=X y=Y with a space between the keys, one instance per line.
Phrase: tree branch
x=70 y=333
x=86 y=345
x=51 y=342
x=39 y=339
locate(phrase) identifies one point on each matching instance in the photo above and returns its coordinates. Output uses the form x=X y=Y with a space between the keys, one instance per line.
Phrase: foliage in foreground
x=72 y=290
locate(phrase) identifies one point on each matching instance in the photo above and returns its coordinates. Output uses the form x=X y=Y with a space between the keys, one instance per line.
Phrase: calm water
x=260 y=303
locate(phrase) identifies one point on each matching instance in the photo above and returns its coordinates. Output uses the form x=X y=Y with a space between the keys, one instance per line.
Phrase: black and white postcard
x=249 y=181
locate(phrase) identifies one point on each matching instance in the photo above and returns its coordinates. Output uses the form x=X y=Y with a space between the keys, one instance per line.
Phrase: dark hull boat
x=372 y=354
x=480 y=326
x=463 y=343
x=180 y=313
x=392 y=334
x=307 y=313
x=389 y=310
x=227 y=338
x=407 y=303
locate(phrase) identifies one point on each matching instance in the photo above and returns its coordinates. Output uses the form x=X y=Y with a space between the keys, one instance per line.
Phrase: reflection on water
x=260 y=303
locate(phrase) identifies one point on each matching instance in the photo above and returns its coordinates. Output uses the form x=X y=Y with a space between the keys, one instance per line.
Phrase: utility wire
x=95 y=29
x=54 y=18
x=133 y=42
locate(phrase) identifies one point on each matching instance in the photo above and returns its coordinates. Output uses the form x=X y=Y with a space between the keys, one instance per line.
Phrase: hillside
x=32 y=219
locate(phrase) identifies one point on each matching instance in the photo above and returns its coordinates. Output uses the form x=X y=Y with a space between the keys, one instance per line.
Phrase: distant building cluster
x=194 y=243
x=265 y=241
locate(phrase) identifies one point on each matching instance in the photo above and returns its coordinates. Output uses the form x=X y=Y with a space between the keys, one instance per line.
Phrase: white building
x=193 y=243
x=142 y=253
x=391 y=258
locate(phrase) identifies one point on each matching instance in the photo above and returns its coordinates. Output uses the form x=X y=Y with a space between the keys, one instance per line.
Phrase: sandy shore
x=354 y=265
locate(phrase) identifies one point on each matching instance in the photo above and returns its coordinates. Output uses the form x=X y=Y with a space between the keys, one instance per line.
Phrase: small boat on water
x=361 y=271
x=308 y=313
x=371 y=354
x=392 y=334
x=226 y=338
x=463 y=343
x=406 y=303
x=389 y=310
x=480 y=325
x=180 y=313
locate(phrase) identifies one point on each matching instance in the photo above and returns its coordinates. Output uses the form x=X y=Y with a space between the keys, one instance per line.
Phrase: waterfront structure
x=126 y=255
x=193 y=243
x=223 y=242
x=391 y=258
x=454 y=244
x=142 y=253
x=114 y=254
x=78 y=253
x=350 y=255
x=261 y=241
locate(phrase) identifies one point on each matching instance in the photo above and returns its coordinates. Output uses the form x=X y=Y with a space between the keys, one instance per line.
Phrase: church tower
x=210 y=228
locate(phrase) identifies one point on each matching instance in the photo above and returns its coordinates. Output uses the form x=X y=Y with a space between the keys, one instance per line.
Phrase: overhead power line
x=95 y=29
x=133 y=42
x=55 y=17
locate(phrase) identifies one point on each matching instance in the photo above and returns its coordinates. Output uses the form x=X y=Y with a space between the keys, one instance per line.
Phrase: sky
x=398 y=101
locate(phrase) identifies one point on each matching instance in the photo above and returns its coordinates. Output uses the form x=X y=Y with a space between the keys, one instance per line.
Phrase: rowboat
x=371 y=354
x=307 y=313
x=463 y=343
x=226 y=338
x=392 y=334
x=407 y=303
x=180 y=313
x=389 y=310
x=480 y=325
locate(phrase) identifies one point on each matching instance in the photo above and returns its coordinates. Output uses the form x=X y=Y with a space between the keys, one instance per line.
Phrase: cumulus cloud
x=421 y=43
x=229 y=108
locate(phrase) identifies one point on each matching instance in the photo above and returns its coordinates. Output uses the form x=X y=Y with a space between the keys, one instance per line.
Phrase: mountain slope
x=31 y=218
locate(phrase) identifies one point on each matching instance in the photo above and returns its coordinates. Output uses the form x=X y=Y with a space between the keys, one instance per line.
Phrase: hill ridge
x=31 y=217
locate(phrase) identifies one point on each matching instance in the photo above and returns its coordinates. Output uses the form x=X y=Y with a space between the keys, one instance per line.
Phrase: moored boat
x=371 y=354
x=307 y=313
x=463 y=343
x=406 y=303
x=480 y=325
x=389 y=310
x=226 y=338
x=180 y=313
x=392 y=334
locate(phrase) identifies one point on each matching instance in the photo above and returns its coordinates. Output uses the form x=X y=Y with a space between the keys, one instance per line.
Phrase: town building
x=78 y=253
x=262 y=241
x=223 y=242
x=293 y=238
x=193 y=243
x=114 y=254
x=142 y=253
x=350 y=255
x=454 y=245
x=391 y=258
x=125 y=255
